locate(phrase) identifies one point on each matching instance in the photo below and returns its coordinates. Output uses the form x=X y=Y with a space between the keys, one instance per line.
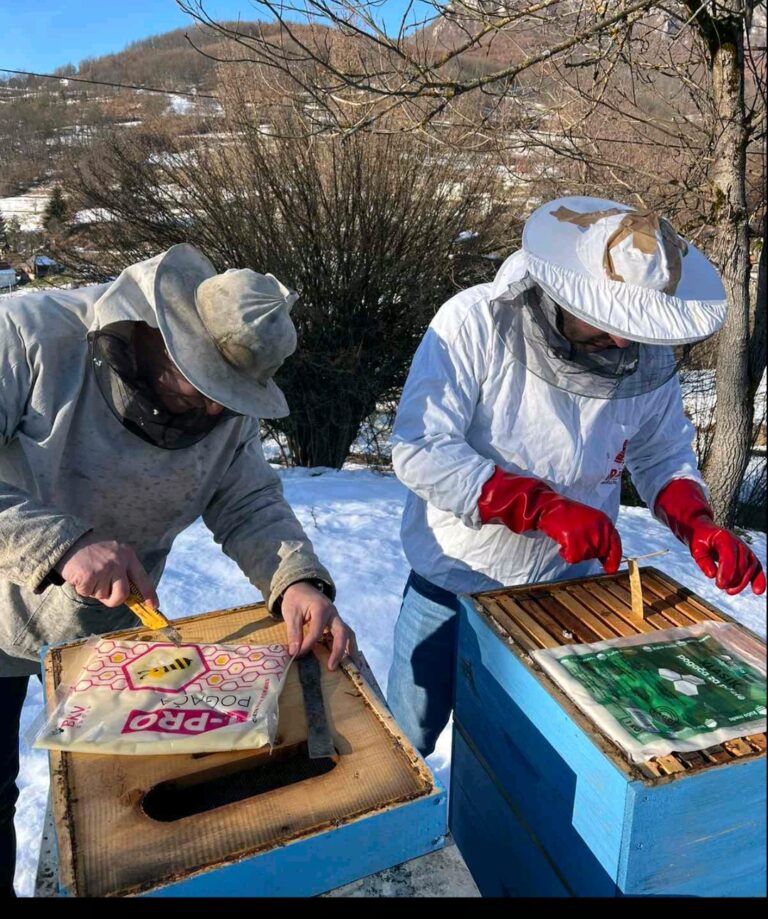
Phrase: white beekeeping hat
x=623 y=270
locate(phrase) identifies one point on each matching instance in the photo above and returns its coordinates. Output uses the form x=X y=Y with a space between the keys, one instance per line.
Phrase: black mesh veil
x=531 y=325
x=134 y=402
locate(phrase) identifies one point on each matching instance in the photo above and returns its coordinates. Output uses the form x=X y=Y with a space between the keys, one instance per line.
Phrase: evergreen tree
x=13 y=234
x=56 y=210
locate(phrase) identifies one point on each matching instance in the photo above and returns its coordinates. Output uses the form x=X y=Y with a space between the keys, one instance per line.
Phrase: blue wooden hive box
x=543 y=804
x=248 y=823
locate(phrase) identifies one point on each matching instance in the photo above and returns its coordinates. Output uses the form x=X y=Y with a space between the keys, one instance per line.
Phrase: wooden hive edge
x=657 y=770
x=401 y=743
x=59 y=765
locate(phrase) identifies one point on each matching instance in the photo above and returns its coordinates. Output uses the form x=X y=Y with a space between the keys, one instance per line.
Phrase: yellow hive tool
x=151 y=618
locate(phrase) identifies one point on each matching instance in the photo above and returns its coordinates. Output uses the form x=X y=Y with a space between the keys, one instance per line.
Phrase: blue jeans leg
x=421 y=680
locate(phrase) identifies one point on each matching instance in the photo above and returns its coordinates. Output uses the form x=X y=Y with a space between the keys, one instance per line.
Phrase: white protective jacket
x=469 y=405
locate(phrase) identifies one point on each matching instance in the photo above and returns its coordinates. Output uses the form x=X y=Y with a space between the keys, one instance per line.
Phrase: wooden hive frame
x=108 y=846
x=594 y=609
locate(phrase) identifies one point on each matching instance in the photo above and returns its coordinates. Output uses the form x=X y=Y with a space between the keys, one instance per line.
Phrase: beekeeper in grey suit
x=127 y=410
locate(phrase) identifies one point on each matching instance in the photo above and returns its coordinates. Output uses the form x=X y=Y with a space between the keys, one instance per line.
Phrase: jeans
x=13 y=691
x=421 y=680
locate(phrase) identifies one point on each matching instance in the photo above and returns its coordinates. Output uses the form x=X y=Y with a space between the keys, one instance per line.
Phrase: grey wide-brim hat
x=227 y=333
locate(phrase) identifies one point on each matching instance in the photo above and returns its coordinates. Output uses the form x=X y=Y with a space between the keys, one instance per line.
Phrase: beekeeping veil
x=227 y=333
x=623 y=271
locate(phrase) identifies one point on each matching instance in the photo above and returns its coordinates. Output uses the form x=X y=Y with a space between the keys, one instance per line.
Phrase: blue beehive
x=249 y=823
x=543 y=804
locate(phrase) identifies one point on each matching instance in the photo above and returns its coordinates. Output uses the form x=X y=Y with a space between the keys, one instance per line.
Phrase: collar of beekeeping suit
x=227 y=333
x=620 y=269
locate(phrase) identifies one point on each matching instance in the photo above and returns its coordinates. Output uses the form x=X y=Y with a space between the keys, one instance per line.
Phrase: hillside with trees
x=638 y=102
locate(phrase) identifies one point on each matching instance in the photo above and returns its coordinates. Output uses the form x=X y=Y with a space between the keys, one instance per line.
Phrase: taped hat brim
x=550 y=247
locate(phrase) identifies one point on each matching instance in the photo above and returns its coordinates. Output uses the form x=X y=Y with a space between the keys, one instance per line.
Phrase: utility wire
x=144 y=89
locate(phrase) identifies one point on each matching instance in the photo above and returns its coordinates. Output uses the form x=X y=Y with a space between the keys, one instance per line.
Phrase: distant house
x=7 y=276
x=43 y=265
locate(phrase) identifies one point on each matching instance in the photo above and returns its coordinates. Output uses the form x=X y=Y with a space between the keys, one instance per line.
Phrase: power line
x=144 y=89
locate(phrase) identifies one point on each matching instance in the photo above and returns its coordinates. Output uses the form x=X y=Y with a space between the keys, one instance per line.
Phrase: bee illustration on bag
x=158 y=672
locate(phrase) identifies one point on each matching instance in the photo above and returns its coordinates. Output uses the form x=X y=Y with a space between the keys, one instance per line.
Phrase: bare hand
x=305 y=605
x=102 y=569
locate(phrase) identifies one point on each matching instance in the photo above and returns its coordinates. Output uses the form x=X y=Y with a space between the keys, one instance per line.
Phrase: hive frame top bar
x=586 y=610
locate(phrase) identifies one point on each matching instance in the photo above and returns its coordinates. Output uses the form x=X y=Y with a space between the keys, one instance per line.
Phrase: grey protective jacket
x=68 y=466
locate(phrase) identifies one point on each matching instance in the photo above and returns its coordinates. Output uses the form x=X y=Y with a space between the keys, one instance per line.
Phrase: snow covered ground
x=699 y=397
x=353 y=518
x=28 y=208
x=93 y=215
x=180 y=105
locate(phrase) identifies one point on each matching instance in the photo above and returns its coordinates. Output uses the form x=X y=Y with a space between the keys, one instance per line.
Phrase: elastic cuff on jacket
x=472 y=518
x=40 y=576
x=312 y=575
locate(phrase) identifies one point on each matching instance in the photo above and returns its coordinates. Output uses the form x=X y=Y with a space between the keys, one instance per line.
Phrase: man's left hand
x=302 y=605
x=720 y=554
x=723 y=556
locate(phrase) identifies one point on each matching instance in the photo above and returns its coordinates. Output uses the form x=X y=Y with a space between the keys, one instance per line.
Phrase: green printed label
x=673 y=689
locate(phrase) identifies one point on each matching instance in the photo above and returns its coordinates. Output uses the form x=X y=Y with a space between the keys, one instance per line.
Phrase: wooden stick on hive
x=635 y=583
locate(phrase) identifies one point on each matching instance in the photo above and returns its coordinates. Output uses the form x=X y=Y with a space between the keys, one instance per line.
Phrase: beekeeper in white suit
x=525 y=400
x=127 y=410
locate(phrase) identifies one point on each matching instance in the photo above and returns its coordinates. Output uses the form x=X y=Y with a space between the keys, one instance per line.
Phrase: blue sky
x=40 y=35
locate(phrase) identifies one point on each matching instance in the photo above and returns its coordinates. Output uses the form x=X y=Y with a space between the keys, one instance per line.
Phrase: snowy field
x=28 y=208
x=353 y=518
x=699 y=399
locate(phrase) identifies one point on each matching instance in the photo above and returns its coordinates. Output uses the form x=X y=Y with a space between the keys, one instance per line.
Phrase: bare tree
x=660 y=103
x=653 y=116
x=369 y=231
x=341 y=55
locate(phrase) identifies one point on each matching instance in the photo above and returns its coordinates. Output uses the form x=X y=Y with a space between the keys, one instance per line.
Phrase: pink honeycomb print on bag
x=155 y=697
x=119 y=665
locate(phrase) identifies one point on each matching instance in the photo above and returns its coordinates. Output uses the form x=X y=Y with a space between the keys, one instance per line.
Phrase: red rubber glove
x=719 y=553
x=524 y=503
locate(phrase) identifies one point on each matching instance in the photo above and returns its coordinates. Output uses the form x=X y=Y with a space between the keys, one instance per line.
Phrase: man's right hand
x=583 y=533
x=524 y=503
x=102 y=569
